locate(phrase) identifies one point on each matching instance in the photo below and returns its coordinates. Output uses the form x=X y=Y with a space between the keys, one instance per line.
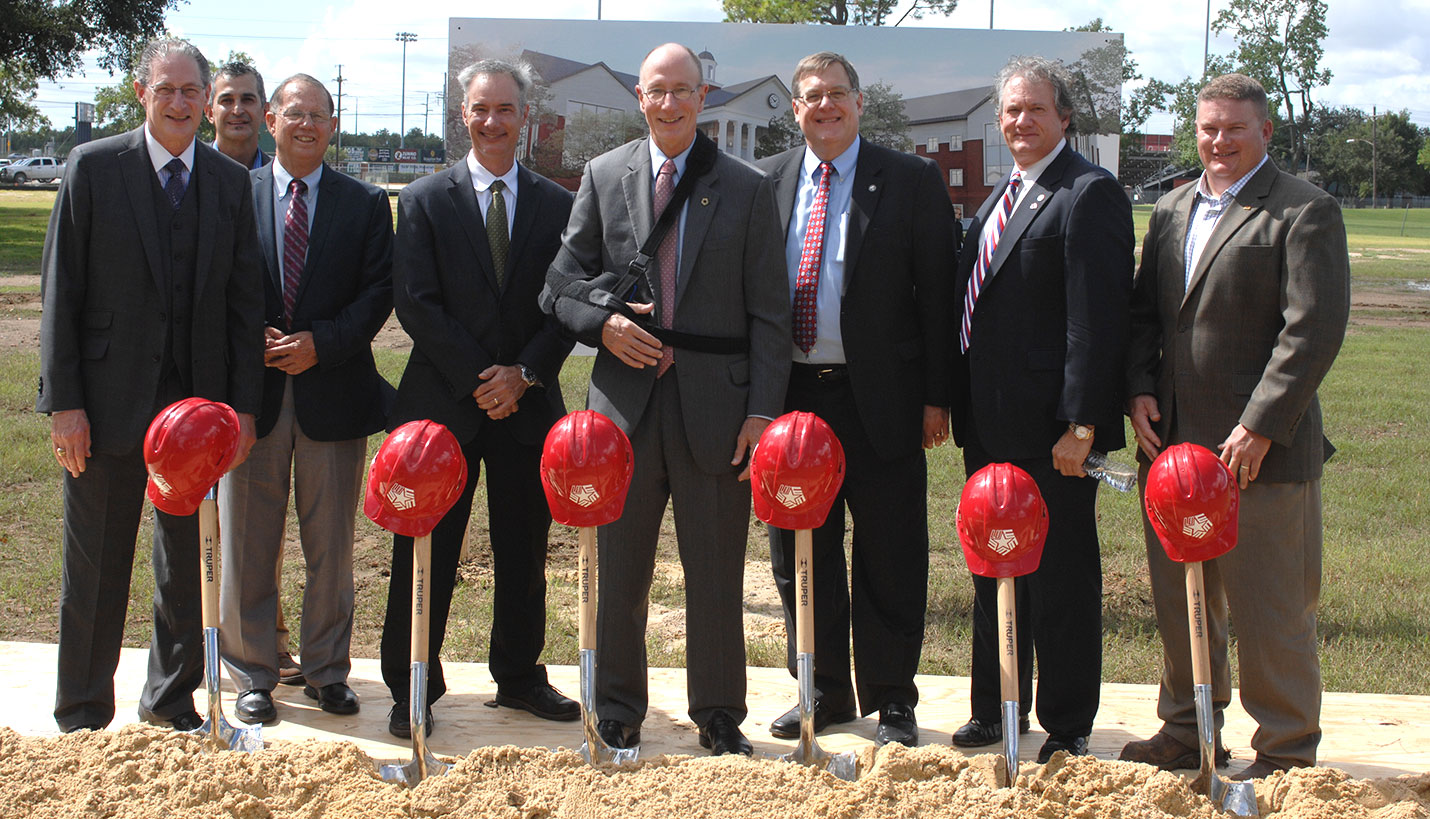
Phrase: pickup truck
x=33 y=169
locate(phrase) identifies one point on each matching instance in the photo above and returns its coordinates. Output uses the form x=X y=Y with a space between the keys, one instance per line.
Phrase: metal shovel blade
x=221 y=735
x=1237 y=798
x=423 y=763
x=1010 y=741
x=595 y=750
x=807 y=752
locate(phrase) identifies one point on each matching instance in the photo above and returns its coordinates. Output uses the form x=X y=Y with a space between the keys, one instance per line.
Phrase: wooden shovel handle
x=1197 y=625
x=586 y=587
x=804 y=590
x=421 y=585
x=208 y=560
x=1008 y=640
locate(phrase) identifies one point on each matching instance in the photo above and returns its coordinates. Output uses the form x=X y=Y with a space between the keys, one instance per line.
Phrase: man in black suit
x=327 y=242
x=236 y=109
x=1043 y=287
x=870 y=253
x=151 y=291
x=473 y=244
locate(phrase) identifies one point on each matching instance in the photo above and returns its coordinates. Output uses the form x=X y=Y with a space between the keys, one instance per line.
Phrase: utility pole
x=426 y=110
x=404 y=37
x=339 y=80
x=1374 y=138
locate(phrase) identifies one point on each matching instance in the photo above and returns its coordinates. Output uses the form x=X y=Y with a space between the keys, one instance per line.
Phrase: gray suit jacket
x=1255 y=332
x=105 y=319
x=731 y=282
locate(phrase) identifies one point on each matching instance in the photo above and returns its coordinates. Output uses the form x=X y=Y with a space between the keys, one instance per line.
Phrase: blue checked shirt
x=1206 y=212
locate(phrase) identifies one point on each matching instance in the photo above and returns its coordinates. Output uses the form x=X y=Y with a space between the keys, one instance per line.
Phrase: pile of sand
x=141 y=772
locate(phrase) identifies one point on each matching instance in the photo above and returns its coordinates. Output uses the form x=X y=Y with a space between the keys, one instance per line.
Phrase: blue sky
x=1375 y=64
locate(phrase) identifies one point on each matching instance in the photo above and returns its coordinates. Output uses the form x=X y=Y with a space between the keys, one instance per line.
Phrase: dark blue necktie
x=175 y=186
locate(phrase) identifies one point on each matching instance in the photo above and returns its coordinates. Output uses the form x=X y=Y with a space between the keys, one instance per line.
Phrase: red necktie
x=665 y=259
x=985 y=259
x=295 y=246
x=806 y=283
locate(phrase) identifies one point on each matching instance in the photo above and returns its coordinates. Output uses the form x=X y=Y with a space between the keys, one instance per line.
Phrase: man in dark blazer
x=327 y=244
x=1239 y=310
x=877 y=365
x=1042 y=287
x=693 y=410
x=473 y=245
x=152 y=293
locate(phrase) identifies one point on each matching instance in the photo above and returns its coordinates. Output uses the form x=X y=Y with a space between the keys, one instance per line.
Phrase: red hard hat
x=1192 y=501
x=416 y=476
x=1002 y=522
x=188 y=447
x=796 y=471
x=586 y=468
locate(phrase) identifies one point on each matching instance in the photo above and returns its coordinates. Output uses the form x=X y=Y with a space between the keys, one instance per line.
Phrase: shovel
x=807 y=752
x=221 y=734
x=1233 y=797
x=1008 y=675
x=423 y=763
x=594 y=749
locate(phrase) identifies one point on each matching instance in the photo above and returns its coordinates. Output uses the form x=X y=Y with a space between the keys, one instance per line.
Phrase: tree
x=1279 y=43
x=588 y=134
x=1424 y=158
x=17 y=96
x=1097 y=77
x=47 y=39
x=117 y=106
x=884 y=121
x=830 y=12
x=780 y=135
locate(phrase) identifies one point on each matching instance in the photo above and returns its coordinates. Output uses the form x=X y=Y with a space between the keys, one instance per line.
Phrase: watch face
x=773 y=100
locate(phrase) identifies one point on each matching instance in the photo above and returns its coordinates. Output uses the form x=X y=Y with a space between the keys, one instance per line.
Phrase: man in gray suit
x=695 y=403
x=327 y=244
x=1237 y=314
x=151 y=294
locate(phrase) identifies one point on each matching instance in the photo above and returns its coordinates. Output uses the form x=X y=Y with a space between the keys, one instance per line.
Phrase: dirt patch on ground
x=142 y=772
x=1399 y=304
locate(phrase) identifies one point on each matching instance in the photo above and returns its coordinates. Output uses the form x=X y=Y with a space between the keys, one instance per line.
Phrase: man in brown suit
x=1238 y=311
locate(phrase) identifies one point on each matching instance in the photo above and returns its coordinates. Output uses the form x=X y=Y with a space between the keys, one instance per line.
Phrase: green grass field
x=1375 y=611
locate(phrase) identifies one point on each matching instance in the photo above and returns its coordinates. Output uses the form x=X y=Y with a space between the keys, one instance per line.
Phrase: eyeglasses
x=297 y=117
x=191 y=93
x=657 y=95
x=835 y=95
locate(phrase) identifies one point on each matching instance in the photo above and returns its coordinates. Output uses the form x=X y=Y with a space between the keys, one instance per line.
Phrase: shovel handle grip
x=586 y=587
x=804 y=590
x=208 y=560
x=1197 y=625
x=421 y=585
x=1007 y=640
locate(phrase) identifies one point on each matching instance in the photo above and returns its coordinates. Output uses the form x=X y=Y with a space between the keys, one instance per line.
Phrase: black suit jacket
x=895 y=319
x=344 y=296
x=1050 y=329
x=105 y=315
x=461 y=322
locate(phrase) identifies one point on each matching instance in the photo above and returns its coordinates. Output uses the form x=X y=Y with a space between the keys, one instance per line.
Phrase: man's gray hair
x=159 y=48
x=1038 y=69
x=1237 y=87
x=519 y=71
x=817 y=62
x=301 y=79
x=239 y=68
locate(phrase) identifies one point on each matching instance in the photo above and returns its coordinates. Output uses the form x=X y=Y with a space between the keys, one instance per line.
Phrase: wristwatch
x=1082 y=432
x=529 y=376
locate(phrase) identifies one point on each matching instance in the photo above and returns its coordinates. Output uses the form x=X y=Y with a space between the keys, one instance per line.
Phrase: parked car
x=33 y=169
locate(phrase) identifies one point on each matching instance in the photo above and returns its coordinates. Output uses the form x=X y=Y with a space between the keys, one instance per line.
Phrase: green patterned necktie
x=496 y=231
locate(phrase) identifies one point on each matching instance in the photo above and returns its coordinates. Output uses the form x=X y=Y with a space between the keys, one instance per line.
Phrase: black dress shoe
x=976 y=733
x=722 y=736
x=1075 y=746
x=543 y=701
x=399 y=721
x=617 y=734
x=336 y=698
x=255 y=706
x=187 y=722
x=896 y=724
x=88 y=726
x=787 y=726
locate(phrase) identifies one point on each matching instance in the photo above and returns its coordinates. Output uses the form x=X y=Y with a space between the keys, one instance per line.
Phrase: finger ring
x=59 y=450
x=1245 y=468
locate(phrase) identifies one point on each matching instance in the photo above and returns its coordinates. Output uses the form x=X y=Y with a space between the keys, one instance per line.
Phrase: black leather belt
x=826 y=374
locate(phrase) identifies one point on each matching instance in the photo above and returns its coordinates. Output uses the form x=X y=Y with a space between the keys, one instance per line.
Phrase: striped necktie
x=666 y=259
x=295 y=245
x=497 y=235
x=985 y=259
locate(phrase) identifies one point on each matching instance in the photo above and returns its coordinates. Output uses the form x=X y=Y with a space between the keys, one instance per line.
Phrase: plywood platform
x=1367 y=735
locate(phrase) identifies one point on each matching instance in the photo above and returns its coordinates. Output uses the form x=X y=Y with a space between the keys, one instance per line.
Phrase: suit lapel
x=1038 y=197
x=469 y=215
x=868 y=187
x=323 y=217
x=1245 y=204
x=787 y=179
x=267 y=236
x=528 y=204
x=699 y=212
x=637 y=186
x=137 y=171
x=205 y=159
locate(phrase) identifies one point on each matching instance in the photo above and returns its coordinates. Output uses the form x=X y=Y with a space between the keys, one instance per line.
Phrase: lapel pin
x=1042 y=196
x=873 y=188
x=704 y=200
x=1032 y=206
x=1246 y=207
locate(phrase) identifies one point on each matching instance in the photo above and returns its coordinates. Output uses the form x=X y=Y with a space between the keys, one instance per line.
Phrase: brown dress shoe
x=1169 y=754
x=1260 y=769
x=289 y=672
